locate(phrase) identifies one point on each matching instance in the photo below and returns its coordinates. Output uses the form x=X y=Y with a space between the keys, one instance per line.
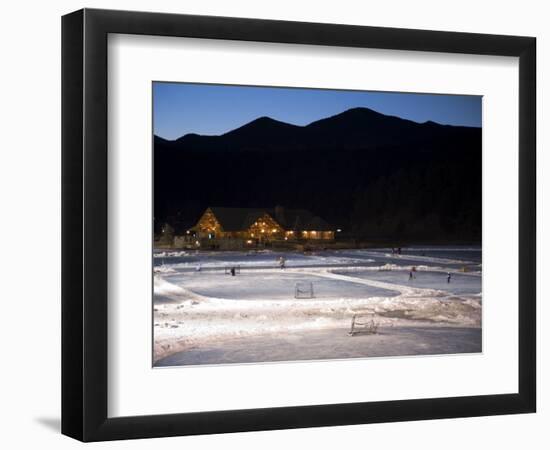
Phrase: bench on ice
x=363 y=324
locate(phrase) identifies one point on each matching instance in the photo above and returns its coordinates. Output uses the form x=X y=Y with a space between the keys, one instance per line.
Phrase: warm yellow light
x=274 y=230
x=263 y=231
x=249 y=241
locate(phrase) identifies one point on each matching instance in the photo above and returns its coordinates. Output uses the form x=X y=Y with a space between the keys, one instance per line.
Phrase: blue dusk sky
x=182 y=108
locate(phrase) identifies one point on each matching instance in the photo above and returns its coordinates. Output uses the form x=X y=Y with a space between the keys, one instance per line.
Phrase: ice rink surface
x=257 y=285
x=459 y=283
x=425 y=300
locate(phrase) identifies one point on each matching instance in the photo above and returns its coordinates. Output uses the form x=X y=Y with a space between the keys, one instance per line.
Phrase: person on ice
x=232 y=271
x=198 y=268
x=448 y=277
x=282 y=262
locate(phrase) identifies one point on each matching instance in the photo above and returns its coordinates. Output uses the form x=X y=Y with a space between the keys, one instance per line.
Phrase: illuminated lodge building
x=253 y=226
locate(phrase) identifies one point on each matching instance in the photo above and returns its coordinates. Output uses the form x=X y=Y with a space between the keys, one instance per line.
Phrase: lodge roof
x=239 y=219
x=236 y=219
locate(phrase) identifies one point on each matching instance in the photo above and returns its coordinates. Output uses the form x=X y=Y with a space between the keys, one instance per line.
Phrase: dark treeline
x=392 y=180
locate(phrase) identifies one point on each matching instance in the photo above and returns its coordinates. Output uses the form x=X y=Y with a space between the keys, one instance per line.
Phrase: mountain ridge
x=268 y=119
x=352 y=128
x=363 y=171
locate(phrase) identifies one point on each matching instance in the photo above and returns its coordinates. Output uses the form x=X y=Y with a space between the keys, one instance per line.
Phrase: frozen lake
x=257 y=285
x=204 y=315
x=442 y=257
x=313 y=346
x=183 y=260
x=460 y=284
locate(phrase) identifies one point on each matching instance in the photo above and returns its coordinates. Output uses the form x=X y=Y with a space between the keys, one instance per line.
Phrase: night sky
x=181 y=108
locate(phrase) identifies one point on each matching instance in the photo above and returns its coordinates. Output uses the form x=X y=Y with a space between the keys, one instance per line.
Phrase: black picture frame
x=84 y=224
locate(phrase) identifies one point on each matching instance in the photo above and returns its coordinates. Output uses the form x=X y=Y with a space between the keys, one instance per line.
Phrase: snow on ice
x=207 y=307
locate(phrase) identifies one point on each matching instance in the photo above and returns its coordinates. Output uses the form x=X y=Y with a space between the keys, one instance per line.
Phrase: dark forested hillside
x=369 y=174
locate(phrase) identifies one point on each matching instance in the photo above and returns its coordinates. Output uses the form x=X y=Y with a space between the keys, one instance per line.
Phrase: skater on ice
x=448 y=277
